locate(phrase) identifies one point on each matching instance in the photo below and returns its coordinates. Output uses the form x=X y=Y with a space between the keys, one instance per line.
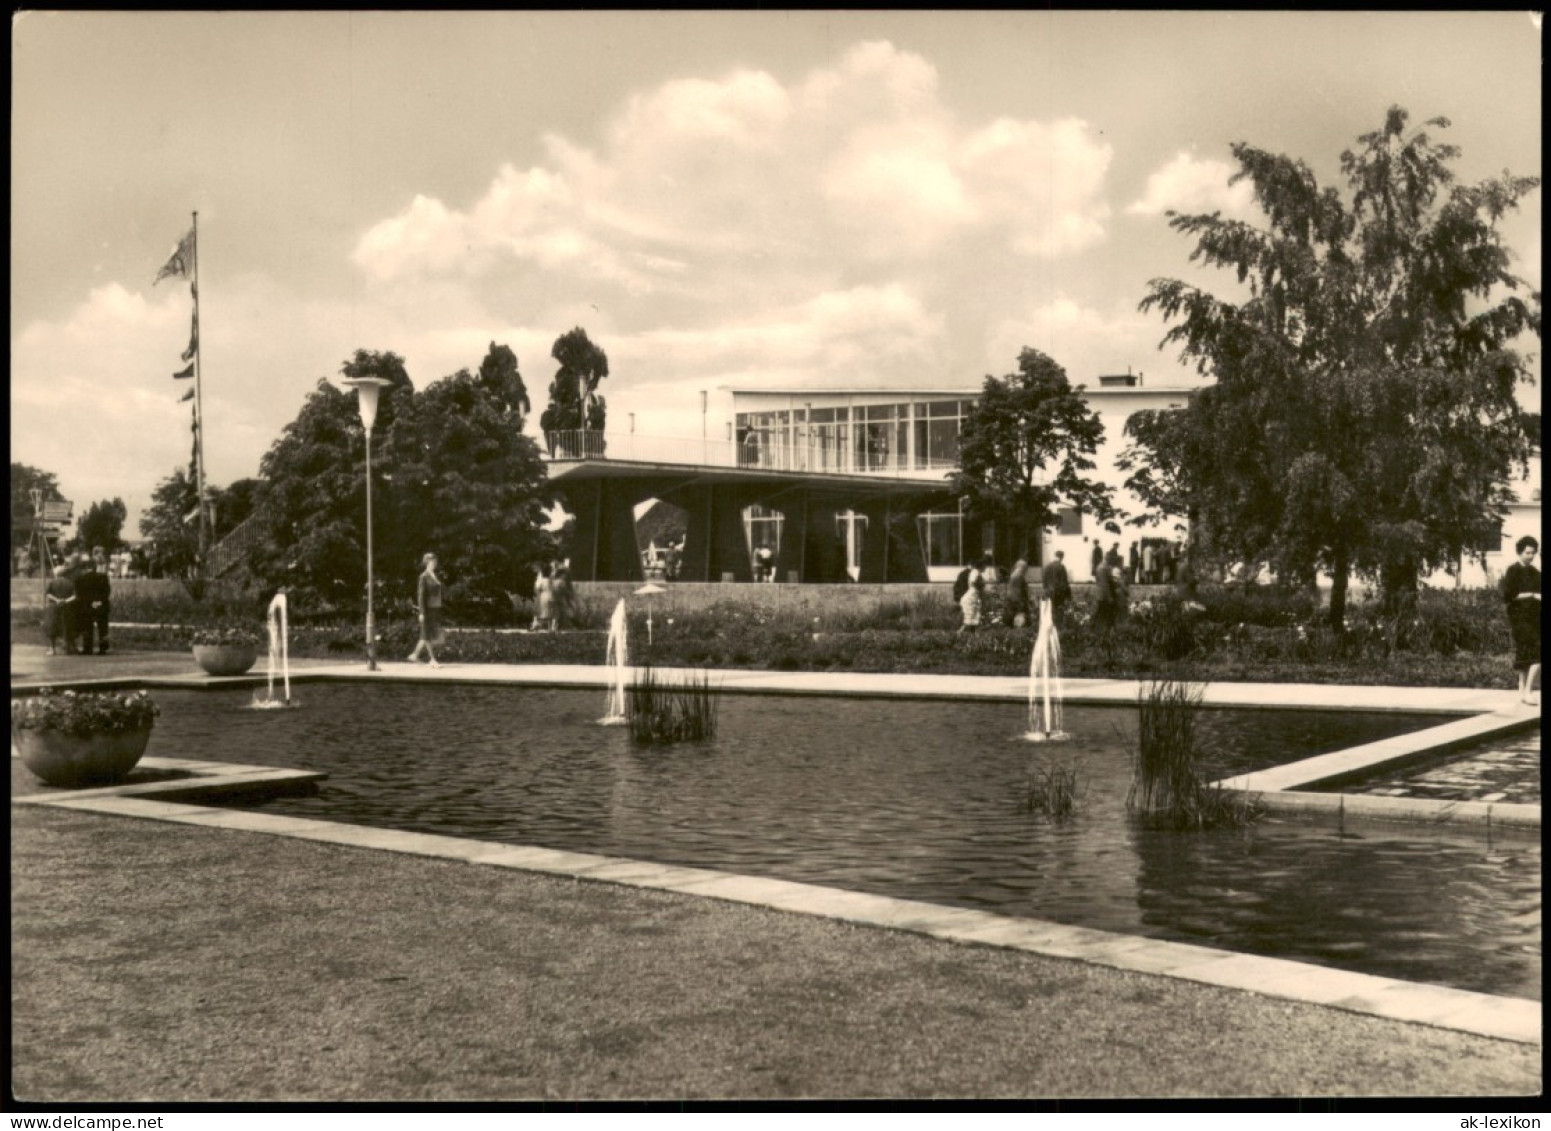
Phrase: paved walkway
x=1308 y=989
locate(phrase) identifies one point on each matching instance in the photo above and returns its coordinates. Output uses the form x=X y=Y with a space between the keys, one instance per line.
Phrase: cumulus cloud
x=1187 y=184
x=700 y=170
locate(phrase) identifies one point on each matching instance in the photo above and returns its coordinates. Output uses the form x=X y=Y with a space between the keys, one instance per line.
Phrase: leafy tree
x=1363 y=418
x=24 y=479
x=452 y=473
x=314 y=537
x=103 y=525
x=573 y=401
x=235 y=504
x=171 y=525
x=1023 y=450
x=498 y=372
x=470 y=486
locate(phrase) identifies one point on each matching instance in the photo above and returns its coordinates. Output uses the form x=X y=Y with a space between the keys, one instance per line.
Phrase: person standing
x=973 y=601
x=428 y=603
x=1057 y=586
x=565 y=596
x=93 y=593
x=544 y=600
x=1521 y=593
x=1015 y=601
x=59 y=610
x=1104 y=593
x=1098 y=560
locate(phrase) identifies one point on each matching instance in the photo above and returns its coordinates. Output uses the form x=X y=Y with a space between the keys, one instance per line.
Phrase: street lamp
x=367 y=390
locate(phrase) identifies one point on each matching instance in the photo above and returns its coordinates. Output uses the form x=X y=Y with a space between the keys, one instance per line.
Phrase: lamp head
x=367 y=390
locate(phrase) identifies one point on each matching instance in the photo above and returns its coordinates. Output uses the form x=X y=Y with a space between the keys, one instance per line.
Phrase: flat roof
x=689 y=474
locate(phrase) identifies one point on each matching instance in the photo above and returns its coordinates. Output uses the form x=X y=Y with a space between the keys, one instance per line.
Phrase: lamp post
x=367 y=390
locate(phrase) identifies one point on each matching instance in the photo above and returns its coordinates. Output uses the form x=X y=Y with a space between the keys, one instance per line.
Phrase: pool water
x=915 y=799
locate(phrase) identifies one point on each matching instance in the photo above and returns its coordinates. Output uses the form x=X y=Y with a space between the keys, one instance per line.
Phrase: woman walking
x=428 y=600
x=1521 y=592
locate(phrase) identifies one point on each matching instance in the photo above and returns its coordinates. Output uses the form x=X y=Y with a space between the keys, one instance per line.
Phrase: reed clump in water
x=1168 y=787
x=661 y=713
x=1055 y=788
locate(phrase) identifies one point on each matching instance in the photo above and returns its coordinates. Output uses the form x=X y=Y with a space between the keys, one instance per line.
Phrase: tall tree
x=1024 y=448
x=171 y=525
x=470 y=486
x=574 y=403
x=103 y=525
x=24 y=480
x=315 y=505
x=498 y=372
x=1363 y=419
x=452 y=473
x=234 y=504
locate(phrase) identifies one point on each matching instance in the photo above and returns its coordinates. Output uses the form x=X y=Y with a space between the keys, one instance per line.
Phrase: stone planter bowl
x=225 y=659
x=73 y=760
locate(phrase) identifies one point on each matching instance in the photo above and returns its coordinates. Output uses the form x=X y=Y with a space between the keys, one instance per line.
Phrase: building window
x=937 y=433
x=1071 y=520
x=851 y=528
x=762 y=535
x=942 y=538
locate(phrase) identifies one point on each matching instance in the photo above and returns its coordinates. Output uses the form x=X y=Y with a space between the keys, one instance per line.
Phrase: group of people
x=77 y=601
x=554 y=601
x=1110 y=580
x=1017 y=597
x=121 y=563
x=553 y=597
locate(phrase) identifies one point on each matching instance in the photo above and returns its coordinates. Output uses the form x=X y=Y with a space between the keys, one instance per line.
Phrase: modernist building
x=836 y=485
x=840 y=485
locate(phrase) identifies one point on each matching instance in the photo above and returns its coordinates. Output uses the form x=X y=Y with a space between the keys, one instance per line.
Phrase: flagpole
x=199 y=418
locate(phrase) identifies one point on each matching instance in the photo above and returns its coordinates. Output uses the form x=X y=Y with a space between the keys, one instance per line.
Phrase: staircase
x=231 y=551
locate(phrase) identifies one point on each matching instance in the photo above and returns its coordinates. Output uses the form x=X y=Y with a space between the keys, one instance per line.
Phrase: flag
x=186 y=371
x=193 y=338
x=181 y=263
x=188 y=396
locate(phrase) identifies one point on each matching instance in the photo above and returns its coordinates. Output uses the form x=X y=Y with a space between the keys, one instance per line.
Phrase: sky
x=753 y=200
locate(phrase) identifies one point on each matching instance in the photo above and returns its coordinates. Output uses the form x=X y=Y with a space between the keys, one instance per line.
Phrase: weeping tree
x=1024 y=449
x=1363 y=420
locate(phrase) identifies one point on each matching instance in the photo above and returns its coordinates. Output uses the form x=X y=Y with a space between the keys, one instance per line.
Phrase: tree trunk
x=1340 y=574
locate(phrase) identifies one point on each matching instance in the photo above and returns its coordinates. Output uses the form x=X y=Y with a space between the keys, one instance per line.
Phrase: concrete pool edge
x=1503 y=1018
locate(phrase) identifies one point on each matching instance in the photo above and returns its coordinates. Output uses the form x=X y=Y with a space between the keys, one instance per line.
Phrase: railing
x=227 y=554
x=763 y=456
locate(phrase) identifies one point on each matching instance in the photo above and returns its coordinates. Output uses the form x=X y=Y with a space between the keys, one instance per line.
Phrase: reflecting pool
x=915 y=799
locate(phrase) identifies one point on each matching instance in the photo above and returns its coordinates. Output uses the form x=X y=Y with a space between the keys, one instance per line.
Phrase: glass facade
x=919 y=435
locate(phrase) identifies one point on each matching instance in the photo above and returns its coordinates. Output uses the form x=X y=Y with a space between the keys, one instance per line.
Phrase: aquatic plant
x=1055 y=787
x=661 y=713
x=1167 y=784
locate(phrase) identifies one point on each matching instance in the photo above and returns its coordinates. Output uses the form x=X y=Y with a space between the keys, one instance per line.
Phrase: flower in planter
x=229 y=636
x=84 y=713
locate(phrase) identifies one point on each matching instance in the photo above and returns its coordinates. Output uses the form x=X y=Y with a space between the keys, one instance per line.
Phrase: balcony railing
x=755 y=454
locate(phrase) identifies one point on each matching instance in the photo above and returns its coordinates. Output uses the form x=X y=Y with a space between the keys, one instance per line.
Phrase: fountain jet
x=618 y=659
x=279 y=655
x=1045 y=694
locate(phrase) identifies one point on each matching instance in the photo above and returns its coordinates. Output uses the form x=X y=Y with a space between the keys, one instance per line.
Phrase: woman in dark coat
x=1521 y=593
